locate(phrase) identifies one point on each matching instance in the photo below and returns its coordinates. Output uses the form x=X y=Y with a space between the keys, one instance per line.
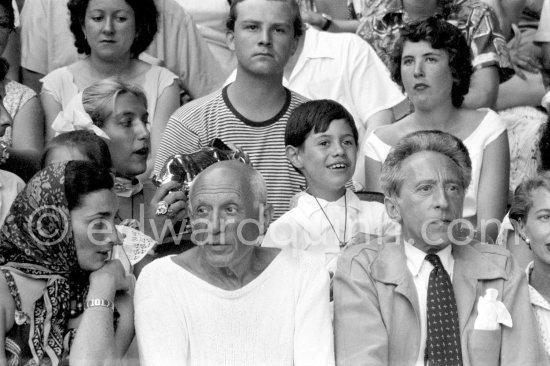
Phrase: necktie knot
x=434 y=260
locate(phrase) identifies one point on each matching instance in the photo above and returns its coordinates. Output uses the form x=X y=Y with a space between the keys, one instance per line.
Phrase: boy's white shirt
x=305 y=226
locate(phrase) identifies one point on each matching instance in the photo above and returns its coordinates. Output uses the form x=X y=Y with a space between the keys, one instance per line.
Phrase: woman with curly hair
x=432 y=63
x=112 y=34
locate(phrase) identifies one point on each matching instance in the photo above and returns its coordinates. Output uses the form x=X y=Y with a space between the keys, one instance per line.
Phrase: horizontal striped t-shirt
x=195 y=124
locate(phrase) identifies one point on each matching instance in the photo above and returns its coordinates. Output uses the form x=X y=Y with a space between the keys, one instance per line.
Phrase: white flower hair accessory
x=73 y=117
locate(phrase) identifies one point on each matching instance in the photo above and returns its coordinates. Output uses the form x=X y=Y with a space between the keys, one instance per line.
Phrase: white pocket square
x=491 y=312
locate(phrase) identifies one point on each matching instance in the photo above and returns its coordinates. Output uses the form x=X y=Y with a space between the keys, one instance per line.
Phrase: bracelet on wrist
x=328 y=22
x=90 y=303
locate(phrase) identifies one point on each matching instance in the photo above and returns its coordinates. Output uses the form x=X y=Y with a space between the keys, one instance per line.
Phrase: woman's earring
x=528 y=242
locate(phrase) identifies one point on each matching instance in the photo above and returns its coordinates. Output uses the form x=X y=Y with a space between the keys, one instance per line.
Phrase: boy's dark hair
x=441 y=35
x=316 y=116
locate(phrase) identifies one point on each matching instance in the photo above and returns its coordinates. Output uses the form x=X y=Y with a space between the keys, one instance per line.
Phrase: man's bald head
x=235 y=174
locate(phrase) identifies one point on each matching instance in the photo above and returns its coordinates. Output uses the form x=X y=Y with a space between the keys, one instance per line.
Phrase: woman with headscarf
x=56 y=275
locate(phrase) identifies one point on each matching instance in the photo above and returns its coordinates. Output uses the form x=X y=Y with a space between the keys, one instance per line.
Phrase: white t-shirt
x=543 y=31
x=280 y=318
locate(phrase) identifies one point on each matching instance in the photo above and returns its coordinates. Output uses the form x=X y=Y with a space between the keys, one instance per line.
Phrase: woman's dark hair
x=83 y=177
x=88 y=143
x=440 y=35
x=9 y=10
x=297 y=23
x=146 y=24
x=4 y=65
x=544 y=147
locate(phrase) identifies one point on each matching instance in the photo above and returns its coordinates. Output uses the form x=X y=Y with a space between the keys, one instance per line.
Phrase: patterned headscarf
x=36 y=241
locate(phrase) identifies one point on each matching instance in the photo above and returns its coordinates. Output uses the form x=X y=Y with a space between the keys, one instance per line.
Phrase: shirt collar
x=536 y=298
x=309 y=206
x=416 y=258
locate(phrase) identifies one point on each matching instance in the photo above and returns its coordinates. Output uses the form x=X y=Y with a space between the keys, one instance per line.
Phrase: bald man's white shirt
x=280 y=318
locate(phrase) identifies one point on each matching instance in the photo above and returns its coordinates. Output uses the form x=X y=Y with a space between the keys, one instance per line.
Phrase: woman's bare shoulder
x=392 y=133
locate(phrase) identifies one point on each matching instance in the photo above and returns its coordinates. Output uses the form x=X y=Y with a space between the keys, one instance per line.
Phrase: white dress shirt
x=420 y=269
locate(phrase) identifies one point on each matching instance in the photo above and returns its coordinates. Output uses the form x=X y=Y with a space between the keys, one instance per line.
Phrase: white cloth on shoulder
x=73 y=117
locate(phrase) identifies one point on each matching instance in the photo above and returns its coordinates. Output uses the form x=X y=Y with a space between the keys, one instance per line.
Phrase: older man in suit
x=434 y=296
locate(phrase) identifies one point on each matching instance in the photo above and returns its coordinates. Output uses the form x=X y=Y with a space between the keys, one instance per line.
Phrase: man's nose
x=265 y=36
x=440 y=198
x=215 y=224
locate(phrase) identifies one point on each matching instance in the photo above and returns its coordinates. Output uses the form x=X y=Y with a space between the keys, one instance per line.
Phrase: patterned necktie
x=443 y=338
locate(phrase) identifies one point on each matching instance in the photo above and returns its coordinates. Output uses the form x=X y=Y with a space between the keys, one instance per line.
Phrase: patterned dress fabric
x=443 y=338
x=36 y=241
x=380 y=27
x=16 y=95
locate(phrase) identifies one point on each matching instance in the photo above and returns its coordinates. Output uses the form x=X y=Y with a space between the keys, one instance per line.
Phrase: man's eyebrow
x=424 y=181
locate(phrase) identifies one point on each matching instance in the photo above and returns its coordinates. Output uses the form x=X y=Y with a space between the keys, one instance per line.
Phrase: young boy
x=321 y=143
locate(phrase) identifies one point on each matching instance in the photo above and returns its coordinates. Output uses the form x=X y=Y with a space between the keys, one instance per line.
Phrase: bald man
x=228 y=300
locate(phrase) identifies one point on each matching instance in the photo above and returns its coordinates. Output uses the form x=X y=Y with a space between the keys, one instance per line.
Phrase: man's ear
x=267 y=214
x=293 y=155
x=294 y=45
x=392 y=208
x=230 y=40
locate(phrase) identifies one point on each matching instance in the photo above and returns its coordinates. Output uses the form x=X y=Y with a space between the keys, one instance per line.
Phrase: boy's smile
x=327 y=160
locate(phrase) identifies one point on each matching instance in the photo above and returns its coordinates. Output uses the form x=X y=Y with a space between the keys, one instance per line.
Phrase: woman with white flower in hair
x=117 y=112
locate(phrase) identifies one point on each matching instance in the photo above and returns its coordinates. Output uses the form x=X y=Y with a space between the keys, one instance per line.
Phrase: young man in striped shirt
x=252 y=112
